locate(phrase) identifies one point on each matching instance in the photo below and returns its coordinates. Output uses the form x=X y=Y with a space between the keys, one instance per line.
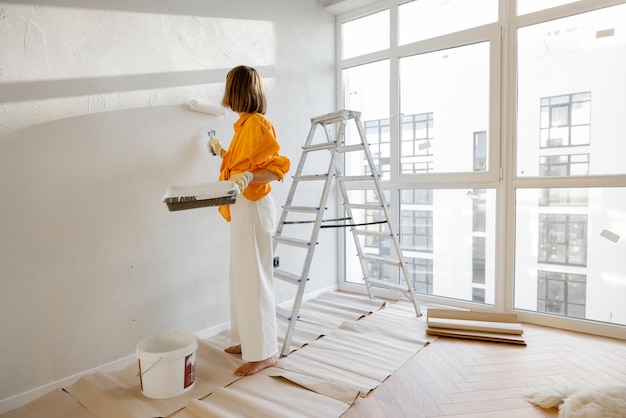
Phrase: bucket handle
x=148 y=369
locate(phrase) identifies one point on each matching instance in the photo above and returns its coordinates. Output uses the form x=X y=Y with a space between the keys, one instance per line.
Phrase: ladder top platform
x=337 y=116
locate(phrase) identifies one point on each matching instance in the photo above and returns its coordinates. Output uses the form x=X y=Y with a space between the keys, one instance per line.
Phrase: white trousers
x=252 y=299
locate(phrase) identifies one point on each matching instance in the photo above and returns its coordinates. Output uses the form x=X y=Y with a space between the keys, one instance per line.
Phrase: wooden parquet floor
x=469 y=379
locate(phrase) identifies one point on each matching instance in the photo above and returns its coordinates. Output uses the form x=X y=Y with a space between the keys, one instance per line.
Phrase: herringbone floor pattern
x=471 y=379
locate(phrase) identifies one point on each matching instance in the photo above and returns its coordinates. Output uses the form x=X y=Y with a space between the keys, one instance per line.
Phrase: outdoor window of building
x=480 y=151
x=416 y=230
x=478 y=294
x=416 y=196
x=375 y=245
x=564 y=165
x=561 y=293
x=565 y=120
x=377 y=134
x=421 y=273
x=564 y=197
x=479 y=210
x=478 y=260
x=417 y=134
x=563 y=239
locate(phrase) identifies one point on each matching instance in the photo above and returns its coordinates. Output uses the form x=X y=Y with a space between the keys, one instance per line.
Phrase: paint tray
x=200 y=195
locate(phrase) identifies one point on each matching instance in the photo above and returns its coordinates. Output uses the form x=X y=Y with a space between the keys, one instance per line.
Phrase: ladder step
x=293 y=241
x=366 y=206
x=318 y=147
x=372 y=233
x=335 y=116
x=286 y=276
x=282 y=313
x=386 y=284
x=346 y=179
x=311 y=177
x=380 y=260
x=305 y=209
x=351 y=148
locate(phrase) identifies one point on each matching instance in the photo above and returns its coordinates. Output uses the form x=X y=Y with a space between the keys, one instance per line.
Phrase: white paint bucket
x=167 y=364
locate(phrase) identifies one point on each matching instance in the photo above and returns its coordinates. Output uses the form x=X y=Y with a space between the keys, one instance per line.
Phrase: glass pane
x=569 y=252
x=370 y=244
x=366 y=89
x=445 y=254
x=528 y=6
x=366 y=34
x=448 y=90
x=423 y=19
x=570 y=94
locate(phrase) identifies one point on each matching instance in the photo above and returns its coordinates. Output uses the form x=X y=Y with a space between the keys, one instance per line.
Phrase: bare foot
x=233 y=349
x=253 y=367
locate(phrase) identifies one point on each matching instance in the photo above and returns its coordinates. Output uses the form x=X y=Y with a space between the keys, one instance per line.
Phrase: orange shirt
x=253 y=147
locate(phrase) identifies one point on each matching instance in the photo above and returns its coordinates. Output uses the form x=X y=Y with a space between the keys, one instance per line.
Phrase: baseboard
x=212 y=331
x=308 y=296
x=21 y=399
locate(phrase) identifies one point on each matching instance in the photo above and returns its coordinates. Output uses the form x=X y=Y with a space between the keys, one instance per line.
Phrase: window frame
x=515 y=182
x=502 y=173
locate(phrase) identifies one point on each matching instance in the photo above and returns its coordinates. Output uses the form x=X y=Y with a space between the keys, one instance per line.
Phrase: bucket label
x=190 y=370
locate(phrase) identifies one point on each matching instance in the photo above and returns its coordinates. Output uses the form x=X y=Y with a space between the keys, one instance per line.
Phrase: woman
x=251 y=162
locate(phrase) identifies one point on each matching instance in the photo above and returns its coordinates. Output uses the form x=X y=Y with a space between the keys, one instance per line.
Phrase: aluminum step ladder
x=311 y=213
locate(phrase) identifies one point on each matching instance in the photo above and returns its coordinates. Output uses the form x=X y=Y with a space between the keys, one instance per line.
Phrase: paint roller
x=209 y=109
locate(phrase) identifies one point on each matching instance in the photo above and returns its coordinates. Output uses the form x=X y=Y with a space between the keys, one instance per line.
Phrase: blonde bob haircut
x=244 y=91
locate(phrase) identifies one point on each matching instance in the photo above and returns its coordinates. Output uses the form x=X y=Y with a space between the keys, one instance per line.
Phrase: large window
x=497 y=129
x=568 y=135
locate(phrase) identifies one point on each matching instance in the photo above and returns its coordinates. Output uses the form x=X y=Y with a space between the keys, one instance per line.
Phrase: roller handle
x=211 y=134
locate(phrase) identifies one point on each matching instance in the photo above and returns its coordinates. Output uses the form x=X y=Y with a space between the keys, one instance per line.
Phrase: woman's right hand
x=215 y=147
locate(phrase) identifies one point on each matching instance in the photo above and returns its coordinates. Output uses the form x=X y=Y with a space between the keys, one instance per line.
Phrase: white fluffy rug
x=573 y=402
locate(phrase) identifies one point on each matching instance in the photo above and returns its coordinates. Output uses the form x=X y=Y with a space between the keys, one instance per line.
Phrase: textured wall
x=93 y=129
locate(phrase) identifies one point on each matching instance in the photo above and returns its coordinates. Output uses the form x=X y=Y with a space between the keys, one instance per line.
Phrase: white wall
x=93 y=129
